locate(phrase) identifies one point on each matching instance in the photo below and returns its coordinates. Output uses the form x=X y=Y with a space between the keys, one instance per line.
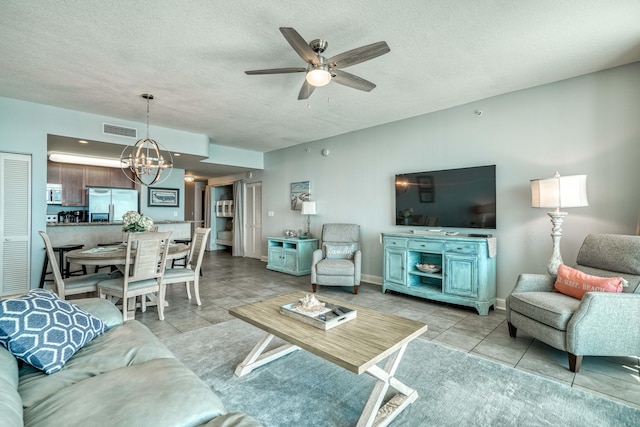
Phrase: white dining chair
x=143 y=270
x=191 y=271
x=71 y=285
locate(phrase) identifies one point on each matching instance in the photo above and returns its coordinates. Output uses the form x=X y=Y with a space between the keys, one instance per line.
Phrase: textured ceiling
x=99 y=56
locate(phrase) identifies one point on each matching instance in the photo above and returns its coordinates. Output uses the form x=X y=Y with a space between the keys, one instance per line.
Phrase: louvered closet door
x=15 y=223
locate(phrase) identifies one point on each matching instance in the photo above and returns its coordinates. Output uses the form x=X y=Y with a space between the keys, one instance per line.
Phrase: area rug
x=455 y=388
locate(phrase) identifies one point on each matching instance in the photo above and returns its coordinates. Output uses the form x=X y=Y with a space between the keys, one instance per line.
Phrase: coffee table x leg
x=257 y=357
x=376 y=414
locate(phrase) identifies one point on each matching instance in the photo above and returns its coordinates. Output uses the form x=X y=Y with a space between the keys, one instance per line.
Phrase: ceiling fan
x=320 y=71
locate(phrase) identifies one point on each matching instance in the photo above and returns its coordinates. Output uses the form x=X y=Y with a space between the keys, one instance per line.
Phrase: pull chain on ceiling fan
x=321 y=71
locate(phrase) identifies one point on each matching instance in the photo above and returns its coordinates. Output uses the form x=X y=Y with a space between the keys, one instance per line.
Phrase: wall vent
x=116 y=130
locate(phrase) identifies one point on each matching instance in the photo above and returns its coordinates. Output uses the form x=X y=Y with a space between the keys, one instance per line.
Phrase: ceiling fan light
x=318 y=77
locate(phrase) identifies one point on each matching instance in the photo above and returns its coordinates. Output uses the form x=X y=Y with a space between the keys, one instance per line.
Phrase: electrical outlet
x=270 y=213
x=175 y=213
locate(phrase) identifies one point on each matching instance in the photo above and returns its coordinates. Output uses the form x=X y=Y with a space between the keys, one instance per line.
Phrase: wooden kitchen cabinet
x=75 y=179
x=117 y=178
x=72 y=180
x=53 y=173
x=96 y=176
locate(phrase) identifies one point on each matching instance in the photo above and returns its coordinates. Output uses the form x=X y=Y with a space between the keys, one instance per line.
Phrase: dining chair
x=191 y=271
x=145 y=262
x=71 y=285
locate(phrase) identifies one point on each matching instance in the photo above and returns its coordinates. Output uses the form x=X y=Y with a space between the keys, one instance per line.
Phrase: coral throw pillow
x=575 y=283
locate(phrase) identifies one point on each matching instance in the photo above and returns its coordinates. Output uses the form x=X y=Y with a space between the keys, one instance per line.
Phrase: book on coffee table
x=331 y=315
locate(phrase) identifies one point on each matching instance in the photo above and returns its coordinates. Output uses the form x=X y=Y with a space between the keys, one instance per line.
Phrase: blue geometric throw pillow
x=45 y=331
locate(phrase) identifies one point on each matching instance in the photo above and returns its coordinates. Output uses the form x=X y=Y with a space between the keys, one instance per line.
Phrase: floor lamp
x=558 y=192
x=308 y=209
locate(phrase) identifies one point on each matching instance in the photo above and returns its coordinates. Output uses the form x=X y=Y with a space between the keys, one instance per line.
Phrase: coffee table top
x=355 y=345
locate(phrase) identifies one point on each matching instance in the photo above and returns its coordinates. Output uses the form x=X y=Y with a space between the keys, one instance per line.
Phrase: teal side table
x=291 y=255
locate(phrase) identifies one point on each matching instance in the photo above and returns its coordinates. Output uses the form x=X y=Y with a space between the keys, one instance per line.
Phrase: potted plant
x=134 y=222
x=405 y=214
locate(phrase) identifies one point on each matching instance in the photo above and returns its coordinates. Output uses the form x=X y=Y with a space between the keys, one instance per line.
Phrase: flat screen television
x=460 y=198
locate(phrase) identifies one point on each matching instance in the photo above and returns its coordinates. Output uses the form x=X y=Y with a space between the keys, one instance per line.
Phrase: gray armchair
x=337 y=262
x=601 y=323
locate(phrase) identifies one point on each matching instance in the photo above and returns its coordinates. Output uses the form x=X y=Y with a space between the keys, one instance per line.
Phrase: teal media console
x=467 y=268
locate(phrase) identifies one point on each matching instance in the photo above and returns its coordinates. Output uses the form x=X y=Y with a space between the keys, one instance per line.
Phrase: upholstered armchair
x=599 y=324
x=337 y=262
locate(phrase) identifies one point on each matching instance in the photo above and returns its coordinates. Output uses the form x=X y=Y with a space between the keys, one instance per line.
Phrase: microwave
x=54 y=194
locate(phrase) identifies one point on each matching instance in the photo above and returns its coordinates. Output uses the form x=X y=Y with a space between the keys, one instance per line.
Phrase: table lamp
x=558 y=192
x=308 y=209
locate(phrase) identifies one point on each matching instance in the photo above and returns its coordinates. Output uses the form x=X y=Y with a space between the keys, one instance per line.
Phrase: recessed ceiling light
x=82 y=141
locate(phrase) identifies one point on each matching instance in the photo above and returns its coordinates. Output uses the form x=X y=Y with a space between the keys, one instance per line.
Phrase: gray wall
x=586 y=125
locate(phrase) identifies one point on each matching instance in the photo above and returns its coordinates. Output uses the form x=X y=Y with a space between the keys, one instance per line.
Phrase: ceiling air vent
x=108 y=129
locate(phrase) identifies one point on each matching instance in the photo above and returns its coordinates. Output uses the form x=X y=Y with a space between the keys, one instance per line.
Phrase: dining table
x=116 y=255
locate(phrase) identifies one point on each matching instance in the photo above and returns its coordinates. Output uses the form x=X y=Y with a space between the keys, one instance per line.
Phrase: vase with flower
x=405 y=214
x=134 y=222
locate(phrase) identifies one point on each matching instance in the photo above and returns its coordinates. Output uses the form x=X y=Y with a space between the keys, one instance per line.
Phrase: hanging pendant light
x=146 y=159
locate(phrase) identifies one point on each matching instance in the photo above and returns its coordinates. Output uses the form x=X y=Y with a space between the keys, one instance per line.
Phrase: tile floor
x=232 y=281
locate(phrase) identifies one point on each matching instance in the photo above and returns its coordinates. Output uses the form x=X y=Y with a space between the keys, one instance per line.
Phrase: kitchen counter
x=91 y=234
x=75 y=224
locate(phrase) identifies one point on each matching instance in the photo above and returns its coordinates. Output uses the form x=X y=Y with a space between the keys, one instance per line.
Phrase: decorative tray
x=428 y=268
x=328 y=317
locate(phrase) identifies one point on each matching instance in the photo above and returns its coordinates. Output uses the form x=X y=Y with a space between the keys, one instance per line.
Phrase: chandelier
x=145 y=159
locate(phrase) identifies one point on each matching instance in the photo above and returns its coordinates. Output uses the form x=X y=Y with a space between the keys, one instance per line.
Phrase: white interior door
x=253 y=220
x=15 y=223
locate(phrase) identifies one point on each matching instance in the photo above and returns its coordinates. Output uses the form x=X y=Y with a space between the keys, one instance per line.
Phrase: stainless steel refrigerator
x=111 y=203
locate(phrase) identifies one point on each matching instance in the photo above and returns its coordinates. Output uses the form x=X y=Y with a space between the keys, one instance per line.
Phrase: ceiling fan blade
x=348 y=79
x=300 y=45
x=358 y=55
x=306 y=90
x=276 y=71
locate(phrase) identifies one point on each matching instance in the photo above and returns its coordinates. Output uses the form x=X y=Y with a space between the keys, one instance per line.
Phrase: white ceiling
x=100 y=56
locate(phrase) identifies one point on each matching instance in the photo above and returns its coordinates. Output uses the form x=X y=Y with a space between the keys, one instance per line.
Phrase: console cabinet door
x=461 y=275
x=290 y=260
x=275 y=257
x=395 y=266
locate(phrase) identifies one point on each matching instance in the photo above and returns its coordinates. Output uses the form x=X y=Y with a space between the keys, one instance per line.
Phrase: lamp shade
x=559 y=192
x=308 y=208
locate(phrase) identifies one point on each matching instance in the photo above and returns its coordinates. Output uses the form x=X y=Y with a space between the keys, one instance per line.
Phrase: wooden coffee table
x=357 y=345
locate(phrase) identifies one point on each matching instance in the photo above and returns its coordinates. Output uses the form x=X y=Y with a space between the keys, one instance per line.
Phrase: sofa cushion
x=551 y=308
x=10 y=401
x=232 y=419
x=340 y=250
x=126 y=345
x=613 y=252
x=575 y=283
x=44 y=331
x=101 y=308
x=161 y=392
x=335 y=267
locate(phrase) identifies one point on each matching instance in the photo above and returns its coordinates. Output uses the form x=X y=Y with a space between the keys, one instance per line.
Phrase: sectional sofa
x=122 y=377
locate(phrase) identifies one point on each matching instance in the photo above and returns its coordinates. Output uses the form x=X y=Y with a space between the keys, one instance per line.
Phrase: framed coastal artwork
x=300 y=192
x=168 y=197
